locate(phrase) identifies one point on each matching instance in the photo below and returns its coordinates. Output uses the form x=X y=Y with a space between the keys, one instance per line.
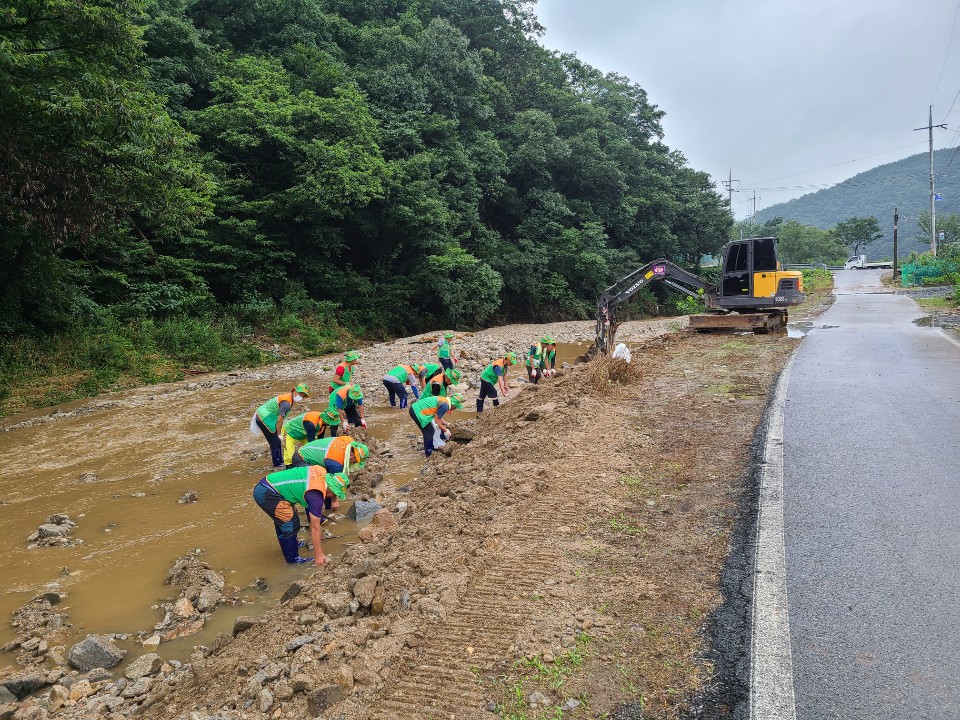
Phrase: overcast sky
x=792 y=96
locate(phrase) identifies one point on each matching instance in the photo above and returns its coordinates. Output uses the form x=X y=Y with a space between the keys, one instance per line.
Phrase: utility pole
x=729 y=183
x=933 y=208
x=896 y=219
x=754 y=218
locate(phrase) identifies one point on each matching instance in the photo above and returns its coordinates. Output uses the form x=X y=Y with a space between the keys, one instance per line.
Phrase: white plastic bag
x=253 y=425
x=622 y=352
x=438 y=441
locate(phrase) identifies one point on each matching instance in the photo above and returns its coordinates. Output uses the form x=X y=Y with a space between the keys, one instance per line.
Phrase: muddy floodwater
x=118 y=464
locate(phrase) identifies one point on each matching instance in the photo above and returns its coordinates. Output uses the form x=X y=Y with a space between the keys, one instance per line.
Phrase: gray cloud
x=791 y=96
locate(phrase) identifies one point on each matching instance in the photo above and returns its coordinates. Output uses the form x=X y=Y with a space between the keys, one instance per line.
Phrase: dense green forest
x=180 y=176
x=904 y=184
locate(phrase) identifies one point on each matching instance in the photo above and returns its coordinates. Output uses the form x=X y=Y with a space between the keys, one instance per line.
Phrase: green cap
x=453 y=375
x=449 y=335
x=303 y=390
x=547 y=340
x=337 y=482
x=355 y=392
x=456 y=401
x=361 y=451
x=511 y=357
x=352 y=355
x=330 y=417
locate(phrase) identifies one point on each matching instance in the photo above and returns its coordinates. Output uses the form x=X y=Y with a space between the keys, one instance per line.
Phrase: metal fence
x=926 y=274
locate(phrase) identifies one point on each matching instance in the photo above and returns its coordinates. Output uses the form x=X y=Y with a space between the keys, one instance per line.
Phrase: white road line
x=771 y=667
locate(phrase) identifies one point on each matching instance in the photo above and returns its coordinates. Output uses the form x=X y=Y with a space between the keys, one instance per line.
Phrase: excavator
x=753 y=294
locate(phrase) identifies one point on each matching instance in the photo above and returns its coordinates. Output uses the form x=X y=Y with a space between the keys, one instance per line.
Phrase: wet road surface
x=872 y=511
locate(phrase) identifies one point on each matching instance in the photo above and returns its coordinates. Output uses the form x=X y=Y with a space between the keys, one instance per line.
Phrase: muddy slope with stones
x=567 y=557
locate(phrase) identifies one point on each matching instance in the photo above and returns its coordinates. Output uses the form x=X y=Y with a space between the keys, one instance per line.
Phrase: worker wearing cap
x=396 y=381
x=307 y=428
x=540 y=356
x=548 y=365
x=337 y=454
x=343 y=373
x=310 y=487
x=429 y=411
x=270 y=416
x=444 y=350
x=347 y=402
x=441 y=381
x=493 y=376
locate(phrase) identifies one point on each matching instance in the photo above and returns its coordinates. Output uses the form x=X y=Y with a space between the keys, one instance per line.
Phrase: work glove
x=363 y=424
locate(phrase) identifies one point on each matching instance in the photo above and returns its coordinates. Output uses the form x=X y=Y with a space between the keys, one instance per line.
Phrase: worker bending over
x=312 y=488
x=270 y=416
x=306 y=428
x=428 y=413
x=347 y=403
x=397 y=380
x=493 y=376
x=541 y=359
x=441 y=382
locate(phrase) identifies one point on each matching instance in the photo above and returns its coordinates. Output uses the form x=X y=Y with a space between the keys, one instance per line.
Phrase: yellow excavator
x=754 y=292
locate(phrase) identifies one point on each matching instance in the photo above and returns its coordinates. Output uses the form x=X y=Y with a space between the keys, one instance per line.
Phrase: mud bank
x=567 y=556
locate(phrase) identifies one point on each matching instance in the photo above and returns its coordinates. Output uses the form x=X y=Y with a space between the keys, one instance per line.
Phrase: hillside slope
x=904 y=184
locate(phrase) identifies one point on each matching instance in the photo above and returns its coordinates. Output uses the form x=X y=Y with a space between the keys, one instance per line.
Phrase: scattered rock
x=136 y=689
x=433 y=609
x=538 y=700
x=59 y=695
x=344 y=677
x=462 y=434
x=80 y=689
x=152 y=642
x=291 y=592
x=376 y=479
x=208 y=598
x=183 y=609
x=336 y=605
x=382 y=524
x=20 y=687
x=301 y=683
x=243 y=622
x=364 y=589
x=7 y=710
x=191 y=496
x=94 y=651
x=324 y=697
x=266 y=700
x=184 y=630
x=299 y=642
x=144 y=666
x=363 y=510
x=571 y=704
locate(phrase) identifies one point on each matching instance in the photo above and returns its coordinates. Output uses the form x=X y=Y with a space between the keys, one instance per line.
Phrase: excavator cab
x=752 y=278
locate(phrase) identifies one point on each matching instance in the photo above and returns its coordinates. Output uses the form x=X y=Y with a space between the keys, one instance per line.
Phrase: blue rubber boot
x=288 y=545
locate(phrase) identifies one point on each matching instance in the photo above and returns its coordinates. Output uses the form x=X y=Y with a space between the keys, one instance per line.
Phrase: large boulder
x=94 y=651
x=364 y=590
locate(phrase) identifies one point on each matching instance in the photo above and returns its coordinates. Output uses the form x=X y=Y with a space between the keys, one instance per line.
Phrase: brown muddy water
x=117 y=465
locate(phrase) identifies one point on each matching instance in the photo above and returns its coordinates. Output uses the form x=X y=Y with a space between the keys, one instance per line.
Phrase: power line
x=947 y=55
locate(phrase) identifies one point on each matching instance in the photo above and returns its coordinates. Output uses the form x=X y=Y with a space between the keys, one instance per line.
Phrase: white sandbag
x=253 y=425
x=622 y=352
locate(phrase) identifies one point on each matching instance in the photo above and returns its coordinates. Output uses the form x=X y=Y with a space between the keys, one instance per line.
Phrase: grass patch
x=40 y=371
x=937 y=303
x=536 y=674
x=815 y=279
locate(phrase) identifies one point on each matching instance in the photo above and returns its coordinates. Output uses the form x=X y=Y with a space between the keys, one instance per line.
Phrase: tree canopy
x=399 y=163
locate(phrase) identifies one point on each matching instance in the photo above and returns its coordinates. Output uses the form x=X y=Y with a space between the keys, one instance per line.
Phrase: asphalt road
x=872 y=511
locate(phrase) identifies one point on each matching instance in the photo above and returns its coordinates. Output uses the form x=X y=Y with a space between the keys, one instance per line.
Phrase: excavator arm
x=628 y=286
